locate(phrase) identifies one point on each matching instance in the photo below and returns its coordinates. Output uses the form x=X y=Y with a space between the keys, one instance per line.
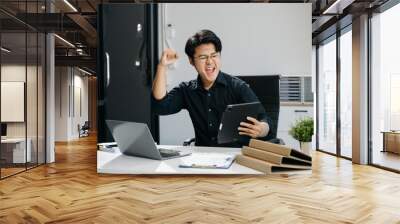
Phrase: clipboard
x=207 y=161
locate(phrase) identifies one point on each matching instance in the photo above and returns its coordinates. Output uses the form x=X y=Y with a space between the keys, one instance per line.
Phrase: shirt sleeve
x=172 y=103
x=247 y=95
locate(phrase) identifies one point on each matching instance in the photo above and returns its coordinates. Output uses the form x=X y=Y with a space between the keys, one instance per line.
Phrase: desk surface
x=117 y=163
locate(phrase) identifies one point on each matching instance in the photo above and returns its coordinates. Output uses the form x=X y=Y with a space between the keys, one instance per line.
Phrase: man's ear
x=191 y=61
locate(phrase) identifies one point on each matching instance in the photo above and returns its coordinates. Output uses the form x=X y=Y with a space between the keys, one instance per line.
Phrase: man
x=206 y=97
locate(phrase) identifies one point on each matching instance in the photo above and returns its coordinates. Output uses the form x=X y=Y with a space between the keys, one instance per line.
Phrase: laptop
x=134 y=139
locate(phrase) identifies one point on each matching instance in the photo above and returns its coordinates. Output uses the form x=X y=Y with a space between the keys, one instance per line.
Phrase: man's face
x=207 y=63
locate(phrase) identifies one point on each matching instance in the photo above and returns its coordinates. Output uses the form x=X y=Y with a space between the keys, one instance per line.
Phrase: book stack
x=268 y=158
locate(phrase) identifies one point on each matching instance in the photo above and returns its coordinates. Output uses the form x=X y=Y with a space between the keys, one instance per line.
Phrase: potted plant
x=302 y=131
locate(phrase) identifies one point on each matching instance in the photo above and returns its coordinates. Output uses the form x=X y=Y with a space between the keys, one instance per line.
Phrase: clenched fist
x=169 y=56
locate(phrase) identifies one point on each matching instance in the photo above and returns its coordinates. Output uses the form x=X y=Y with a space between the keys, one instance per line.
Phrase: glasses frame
x=205 y=58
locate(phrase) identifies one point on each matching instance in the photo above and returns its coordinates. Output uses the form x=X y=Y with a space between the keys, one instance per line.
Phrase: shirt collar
x=221 y=80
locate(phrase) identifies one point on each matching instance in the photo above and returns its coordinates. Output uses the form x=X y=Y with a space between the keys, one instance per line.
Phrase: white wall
x=275 y=39
x=61 y=103
x=70 y=83
x=79 y=117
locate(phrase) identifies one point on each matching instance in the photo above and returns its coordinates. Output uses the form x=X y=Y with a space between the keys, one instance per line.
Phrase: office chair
x=266 y=88
x=84 y=130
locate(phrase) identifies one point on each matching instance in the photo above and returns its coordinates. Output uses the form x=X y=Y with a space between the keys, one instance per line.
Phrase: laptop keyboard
x=169 y=152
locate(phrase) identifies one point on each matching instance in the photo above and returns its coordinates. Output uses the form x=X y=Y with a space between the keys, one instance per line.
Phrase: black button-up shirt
x=205 y=107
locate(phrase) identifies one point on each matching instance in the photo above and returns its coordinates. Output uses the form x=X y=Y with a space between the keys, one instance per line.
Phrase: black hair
x=202 y=37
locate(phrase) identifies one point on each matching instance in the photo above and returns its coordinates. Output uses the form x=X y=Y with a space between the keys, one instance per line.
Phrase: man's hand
x=253 y=128
x=169 y=56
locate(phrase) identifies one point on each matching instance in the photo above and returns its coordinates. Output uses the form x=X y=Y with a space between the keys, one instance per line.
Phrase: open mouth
x=210 y=70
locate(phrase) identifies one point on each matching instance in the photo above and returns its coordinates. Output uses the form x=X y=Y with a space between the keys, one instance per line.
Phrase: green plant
x=303 y=129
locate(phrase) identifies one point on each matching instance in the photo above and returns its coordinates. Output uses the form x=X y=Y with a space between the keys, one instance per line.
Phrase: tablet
x=234 y=114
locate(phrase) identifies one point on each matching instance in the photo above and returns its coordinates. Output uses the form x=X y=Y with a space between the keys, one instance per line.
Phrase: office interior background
x=49 y=84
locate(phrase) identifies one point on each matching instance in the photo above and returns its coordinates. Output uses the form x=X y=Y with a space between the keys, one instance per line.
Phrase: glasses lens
x=204 y=58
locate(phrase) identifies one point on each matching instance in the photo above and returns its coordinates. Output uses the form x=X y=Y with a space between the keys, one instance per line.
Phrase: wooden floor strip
x=70 y=191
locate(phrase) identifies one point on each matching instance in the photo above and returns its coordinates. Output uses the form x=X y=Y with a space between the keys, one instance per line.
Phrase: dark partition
x=125 y=65
x=266 y=87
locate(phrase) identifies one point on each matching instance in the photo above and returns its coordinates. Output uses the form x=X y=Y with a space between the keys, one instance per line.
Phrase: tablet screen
x=231 y=118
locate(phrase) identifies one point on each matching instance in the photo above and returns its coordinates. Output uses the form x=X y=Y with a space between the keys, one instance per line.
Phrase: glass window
x=327 y=96
x=31 y=101
x=41 y=98
x=22 y=89
x=385 y=87
x=346 y=94
x=14 y=148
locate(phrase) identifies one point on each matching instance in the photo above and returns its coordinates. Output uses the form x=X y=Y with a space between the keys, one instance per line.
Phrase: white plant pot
x=305 y=147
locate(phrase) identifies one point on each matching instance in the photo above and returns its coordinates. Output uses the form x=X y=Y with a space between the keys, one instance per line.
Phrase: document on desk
x=207 y=161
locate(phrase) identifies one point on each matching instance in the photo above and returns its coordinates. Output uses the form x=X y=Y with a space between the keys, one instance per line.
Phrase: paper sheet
x=207 y=160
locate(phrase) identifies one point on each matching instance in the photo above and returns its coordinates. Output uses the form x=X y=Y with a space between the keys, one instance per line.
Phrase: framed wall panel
x=12 y=101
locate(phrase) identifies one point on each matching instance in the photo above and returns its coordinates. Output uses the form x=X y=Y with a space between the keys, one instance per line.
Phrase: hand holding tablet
x=253 y=128
x=232 y=118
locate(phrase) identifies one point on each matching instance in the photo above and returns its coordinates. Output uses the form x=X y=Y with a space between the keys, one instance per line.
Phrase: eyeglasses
x=204 y=58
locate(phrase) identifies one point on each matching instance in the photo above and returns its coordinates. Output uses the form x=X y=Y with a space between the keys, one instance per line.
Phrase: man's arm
x=168 y=57
x=164 y=103
x=160 y=83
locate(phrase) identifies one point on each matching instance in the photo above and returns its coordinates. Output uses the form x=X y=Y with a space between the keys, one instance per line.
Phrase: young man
x=207 y=96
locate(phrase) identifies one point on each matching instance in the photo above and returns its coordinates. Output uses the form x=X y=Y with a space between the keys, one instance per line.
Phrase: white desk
x=18 y=151
x=117 y=163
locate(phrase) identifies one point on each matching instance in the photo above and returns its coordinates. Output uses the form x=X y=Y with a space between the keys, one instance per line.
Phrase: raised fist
x=169 y=56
